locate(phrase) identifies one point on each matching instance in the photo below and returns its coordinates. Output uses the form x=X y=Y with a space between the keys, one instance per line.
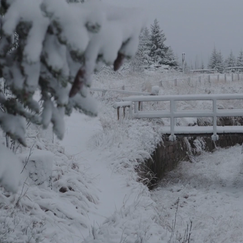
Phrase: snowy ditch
x=169 y=154
x=94 y=194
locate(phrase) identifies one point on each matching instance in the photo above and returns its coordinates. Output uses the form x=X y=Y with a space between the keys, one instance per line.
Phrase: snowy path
x=208 y=192
x=80 y=129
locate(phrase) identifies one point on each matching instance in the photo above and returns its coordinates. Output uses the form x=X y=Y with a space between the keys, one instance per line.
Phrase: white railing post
x=172 y=136
x=215 y=136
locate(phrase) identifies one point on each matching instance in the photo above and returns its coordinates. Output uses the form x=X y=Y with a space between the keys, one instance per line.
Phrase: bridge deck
x=203 y=129
x=186 y=113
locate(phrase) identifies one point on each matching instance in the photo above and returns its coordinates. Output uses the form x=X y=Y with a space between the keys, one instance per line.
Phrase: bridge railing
x=135 y=111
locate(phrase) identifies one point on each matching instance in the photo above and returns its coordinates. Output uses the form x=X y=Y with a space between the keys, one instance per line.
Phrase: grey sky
x=195 y=26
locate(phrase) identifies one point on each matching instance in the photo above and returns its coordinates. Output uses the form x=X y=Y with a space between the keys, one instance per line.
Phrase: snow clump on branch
x=59 y=46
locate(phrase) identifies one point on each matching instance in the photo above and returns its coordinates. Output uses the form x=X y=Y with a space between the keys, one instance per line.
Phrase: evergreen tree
x=141 y=59
x=216 y=61
x=230 y=61
x=170 y=58
x=157 y=47
x=213 y=59
x=144 y=46
x=239 y=62
x=58 y=49
x=220 y=64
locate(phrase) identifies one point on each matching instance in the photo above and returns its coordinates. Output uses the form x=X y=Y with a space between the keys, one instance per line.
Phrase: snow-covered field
x=86 y=188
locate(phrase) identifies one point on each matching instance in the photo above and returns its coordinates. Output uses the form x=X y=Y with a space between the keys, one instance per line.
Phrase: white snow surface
x=94 y=194
x=118 y=192
x=9 y=170
x=208 y=193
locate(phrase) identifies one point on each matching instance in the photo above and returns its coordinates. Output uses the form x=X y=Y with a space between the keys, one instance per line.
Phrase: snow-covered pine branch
x=60 y=44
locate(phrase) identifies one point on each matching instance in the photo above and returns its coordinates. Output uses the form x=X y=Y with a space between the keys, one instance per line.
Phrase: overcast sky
x=195 y=26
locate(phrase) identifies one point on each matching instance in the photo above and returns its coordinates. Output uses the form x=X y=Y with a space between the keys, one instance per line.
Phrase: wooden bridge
x=135 y=106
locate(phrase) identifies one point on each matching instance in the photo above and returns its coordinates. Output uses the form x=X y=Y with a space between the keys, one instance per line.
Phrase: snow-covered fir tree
x=170 y=58
x=230 y=61
x=216 y=61
x=213 y=59
x=158 y=48
x=152 y=50
x=239 y=62
x=220 y=64
x=142 y=58
x=59 y=47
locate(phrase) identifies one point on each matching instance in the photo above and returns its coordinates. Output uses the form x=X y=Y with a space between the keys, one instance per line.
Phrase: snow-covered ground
x=207 y=194
x=94 y=194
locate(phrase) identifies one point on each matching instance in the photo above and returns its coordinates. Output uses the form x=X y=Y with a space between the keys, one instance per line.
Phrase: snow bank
x=207 y=193
x=56 y=195
x=10 y=168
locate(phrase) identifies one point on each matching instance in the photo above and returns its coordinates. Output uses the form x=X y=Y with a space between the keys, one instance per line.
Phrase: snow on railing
x=136 y=112
x=121 y=91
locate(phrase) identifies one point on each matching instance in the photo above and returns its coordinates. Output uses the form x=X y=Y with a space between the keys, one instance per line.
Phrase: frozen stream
x=207 y=192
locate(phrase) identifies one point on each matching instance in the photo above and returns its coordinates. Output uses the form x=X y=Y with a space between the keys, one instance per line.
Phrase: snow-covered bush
x=38 y=166
x=155 y=90
x=60 y=44
x=52 y=207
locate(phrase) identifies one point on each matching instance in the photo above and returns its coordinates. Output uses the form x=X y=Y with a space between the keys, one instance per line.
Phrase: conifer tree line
x=152 y=50
x=220 y=64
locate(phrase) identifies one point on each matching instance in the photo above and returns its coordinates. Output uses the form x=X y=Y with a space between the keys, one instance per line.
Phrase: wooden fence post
x=232 y=77
x=225 y=78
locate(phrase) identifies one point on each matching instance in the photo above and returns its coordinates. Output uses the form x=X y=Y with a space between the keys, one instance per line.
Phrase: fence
x=194 y=79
